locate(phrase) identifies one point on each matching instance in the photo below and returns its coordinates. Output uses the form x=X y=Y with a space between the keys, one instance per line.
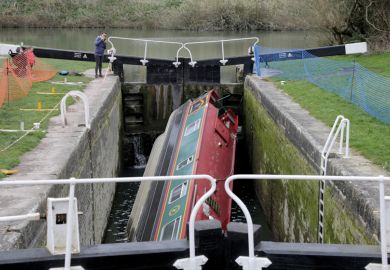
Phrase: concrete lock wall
x=283 y=138
x=70 y=151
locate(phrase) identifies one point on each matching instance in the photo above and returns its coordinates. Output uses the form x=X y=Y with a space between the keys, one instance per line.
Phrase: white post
x=69 y=227
x=195 y=262
x=144 y=61
x=383 y=232
x=194 y=211
x=383 y=223
x=342 y=124
x=247 y=262
x=246 y=214
x=347 y=138
x=223 y=61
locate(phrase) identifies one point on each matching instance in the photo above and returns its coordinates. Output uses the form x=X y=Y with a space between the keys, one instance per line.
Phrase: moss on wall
x=291 y=207
x=341 y=226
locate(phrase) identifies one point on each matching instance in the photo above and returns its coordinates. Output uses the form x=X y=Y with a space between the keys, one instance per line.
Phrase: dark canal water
x=121 y=208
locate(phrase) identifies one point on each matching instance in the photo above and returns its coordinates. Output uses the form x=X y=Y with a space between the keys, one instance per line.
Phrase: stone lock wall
x=282 y=138
x=70 y=151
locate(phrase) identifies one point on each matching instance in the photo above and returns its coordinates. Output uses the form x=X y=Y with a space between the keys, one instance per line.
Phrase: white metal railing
x=255 y=263
x=183 y=46
x=191 y=263
x=32 y=216
x=340 y=124
x=223 y=61
x=194 y=262
x=144 y=61
x=86 y=107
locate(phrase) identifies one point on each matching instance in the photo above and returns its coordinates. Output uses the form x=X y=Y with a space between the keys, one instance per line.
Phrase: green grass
x=378 y=63
x=370 y=137
x=11 y=115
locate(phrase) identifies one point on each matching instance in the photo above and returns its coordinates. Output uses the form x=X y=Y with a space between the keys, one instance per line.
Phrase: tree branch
x=370 y=23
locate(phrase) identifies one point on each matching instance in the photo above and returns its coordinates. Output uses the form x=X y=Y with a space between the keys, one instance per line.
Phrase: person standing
x=100 y=46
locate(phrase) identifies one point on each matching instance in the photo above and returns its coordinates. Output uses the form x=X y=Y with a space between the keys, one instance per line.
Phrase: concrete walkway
x=69 y=151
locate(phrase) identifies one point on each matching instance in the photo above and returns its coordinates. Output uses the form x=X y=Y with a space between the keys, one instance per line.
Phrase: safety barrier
x=250 y=262
x=223 y=61
x=347 y=79
x=144 y=61
x=183 y=46
x=254 y=263
x=191 y=263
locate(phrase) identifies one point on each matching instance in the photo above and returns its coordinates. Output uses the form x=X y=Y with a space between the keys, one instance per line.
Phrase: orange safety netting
x=42 y=71
x=3 y=85
x=19 y=72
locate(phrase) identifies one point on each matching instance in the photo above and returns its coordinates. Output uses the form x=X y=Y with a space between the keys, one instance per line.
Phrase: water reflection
x=83 y=39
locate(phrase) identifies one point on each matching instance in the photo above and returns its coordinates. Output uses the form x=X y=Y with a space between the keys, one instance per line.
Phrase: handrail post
x=195 y=262
x=347 y=138
x=192 y=62
x=256 y=53
x=383 y=222
x=383 y=230
x=177 y=63
x=223 y=61
x=69 y=227
x=338 y=128
x=247 y=262
x=342 y=124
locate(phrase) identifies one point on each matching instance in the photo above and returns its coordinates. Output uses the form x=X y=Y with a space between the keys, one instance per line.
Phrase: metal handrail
x=252 y=259
x=86 y=107
x=182 y=45
x=338 y=126
x=73 y=182
x=250 y=262
x=177 y=63
x=223 y=61
x=31 y=216
x=144 y=61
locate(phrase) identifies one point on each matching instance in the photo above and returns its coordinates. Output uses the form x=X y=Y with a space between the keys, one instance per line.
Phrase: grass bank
x=370 y=137
x=11 y=114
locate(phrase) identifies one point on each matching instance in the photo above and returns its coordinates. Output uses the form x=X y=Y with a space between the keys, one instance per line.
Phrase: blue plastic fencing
x=368 y=90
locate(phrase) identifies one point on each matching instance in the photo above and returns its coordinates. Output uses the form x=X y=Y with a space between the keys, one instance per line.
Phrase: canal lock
x=146 y=109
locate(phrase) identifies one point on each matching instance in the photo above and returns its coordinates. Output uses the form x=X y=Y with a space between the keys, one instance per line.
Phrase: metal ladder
x=339 y=125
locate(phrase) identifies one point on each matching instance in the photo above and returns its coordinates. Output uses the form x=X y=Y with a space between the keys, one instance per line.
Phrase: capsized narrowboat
x=200 y=138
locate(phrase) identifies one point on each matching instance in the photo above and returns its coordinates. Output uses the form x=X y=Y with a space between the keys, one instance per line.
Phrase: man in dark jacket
x=100 y=44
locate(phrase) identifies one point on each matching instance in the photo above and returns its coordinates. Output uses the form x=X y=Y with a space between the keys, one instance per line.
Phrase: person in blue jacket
x=100 y=44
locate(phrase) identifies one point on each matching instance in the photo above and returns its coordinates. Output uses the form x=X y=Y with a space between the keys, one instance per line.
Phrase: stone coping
x=55 y=157
x=309 y=135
